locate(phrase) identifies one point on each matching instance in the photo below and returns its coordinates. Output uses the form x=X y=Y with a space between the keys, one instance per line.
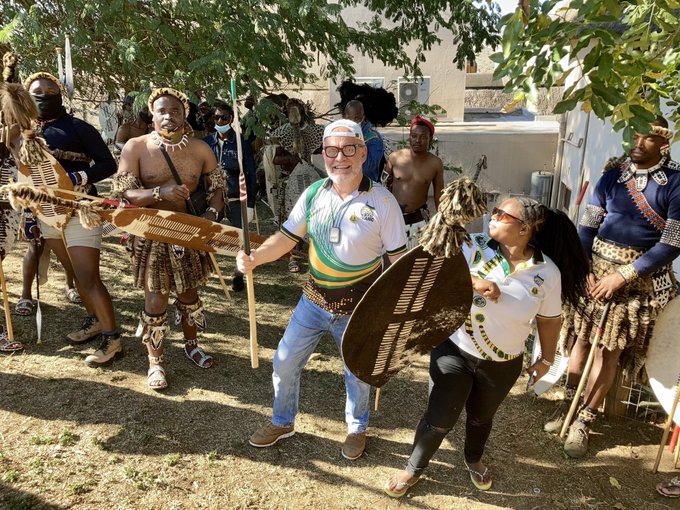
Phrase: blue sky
x=507 y=5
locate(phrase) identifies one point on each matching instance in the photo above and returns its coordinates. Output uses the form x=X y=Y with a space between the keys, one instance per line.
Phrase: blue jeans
x=306 y=327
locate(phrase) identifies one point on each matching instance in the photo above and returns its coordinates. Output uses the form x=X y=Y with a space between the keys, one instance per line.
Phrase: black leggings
x=457 y=379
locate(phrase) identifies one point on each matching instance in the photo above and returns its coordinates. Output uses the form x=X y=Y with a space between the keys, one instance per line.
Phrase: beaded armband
x=628 y=272
x=156 y=194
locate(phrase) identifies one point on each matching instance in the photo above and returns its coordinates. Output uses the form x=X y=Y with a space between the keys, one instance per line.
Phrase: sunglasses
x=347 y=150
x=222 y=117
x=504 y=217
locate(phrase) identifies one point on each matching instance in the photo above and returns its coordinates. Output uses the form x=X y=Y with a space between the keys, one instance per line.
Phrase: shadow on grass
x=14 y=499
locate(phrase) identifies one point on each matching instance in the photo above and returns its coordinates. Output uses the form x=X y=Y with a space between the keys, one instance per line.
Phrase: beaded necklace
x=158 y=140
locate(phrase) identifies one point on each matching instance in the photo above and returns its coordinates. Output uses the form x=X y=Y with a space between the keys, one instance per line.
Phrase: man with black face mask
x=76 y=144
x=223 y=145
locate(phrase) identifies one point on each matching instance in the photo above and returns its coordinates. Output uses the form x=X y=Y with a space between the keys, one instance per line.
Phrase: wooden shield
x=48 y=174
x=9 y=218
x=663 y=357
x=557 y=370
x=165 y=226
x=298 y=181
x=180 y=229
x=411 y=308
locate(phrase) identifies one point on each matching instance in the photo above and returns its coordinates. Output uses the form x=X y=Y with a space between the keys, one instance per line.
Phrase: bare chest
x=408 y=171
x=154 y=170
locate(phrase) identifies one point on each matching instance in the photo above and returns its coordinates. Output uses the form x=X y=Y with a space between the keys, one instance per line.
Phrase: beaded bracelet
x=83 y=178
x=628 y=272
x=546 y=362
x=156 y=194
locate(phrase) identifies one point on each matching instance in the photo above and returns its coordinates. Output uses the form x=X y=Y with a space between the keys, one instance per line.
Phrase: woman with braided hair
x=530 y=261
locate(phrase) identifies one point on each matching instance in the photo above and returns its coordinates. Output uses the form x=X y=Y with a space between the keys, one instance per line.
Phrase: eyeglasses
x=347 y=150
x=504 y=217
x=222 y=117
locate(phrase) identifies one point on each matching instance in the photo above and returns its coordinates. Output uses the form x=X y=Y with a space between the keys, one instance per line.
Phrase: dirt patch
x=78 y=438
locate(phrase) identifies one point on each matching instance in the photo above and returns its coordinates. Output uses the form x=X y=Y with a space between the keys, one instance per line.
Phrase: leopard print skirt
x=633 y=310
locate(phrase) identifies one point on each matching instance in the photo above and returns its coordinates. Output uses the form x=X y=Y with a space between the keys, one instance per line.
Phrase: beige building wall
x=447 y=82
x=514 y=150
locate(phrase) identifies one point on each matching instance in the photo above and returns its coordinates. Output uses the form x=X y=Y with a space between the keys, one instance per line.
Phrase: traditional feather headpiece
x=9 y=64
x=461 y=201
x=45 y=76
x=167 y=91
x=18 y=108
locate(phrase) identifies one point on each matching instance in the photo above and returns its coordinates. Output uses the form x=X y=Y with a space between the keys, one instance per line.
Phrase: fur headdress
x=44 y=76
x=167 y=91
x=662 y=132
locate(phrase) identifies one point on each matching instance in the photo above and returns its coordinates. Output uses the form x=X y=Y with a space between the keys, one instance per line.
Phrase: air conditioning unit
x=410 y=89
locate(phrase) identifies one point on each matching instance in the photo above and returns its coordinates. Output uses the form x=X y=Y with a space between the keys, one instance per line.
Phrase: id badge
x=334 y=236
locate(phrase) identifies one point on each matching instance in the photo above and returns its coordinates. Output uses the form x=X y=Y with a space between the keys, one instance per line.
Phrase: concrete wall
x=514 y=150
x=447 y=85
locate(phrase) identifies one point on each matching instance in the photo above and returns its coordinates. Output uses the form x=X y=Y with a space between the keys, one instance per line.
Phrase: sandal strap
x=7 y=346
x=477 y=473
x=197 y=350
x=673 y=482
x=154 y=369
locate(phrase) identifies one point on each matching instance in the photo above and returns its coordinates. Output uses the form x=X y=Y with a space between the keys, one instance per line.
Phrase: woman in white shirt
x=530 y=261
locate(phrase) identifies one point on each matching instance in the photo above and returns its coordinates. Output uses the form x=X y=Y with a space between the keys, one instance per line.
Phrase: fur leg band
x=155 y=329
x=192 y=313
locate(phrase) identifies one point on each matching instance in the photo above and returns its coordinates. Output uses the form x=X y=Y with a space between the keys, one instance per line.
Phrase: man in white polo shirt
x=351 y=222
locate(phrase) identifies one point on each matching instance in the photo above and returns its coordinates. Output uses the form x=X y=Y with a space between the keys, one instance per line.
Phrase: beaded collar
x=629 y=170
x=158 y=140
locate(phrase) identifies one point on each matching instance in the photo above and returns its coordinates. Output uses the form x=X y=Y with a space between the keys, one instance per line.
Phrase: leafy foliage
x=197 y=45
x=628 y=51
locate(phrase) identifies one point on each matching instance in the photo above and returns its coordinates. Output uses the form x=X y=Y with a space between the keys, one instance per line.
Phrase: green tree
x=628 y=51
x=197 y=45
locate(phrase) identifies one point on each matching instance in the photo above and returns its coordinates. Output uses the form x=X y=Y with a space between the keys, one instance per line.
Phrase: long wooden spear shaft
x=586 y=370
x=667 y=428
x=243 y=195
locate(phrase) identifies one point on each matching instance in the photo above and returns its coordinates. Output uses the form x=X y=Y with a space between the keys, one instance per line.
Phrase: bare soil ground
x=77 y=438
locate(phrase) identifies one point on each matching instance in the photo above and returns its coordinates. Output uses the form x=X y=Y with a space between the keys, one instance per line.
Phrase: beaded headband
x=46 y=76
x=167 y=91
x=662 y=132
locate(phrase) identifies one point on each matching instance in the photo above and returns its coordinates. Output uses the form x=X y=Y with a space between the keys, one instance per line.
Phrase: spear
x=60 y=66
x=68 y=69
x=245 y=231
x=38 y=312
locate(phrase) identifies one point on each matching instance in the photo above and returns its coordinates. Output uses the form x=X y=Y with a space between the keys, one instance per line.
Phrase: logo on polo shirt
x=479 y=301
x=367 y=213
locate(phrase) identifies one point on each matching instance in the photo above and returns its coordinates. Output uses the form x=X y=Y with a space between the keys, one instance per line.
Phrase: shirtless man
x=140 y=126
x=144 y=178
x=410 y=172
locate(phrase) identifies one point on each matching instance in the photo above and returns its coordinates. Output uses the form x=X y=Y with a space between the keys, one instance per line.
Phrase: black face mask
x=49 y=107
x=146 y=118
